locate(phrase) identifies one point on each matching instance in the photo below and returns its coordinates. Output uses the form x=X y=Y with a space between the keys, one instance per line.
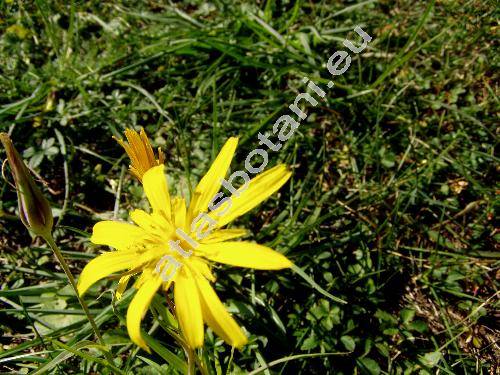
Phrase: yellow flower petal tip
x=115 y=234
x=188 y=308
x=240 y=344
x=137 y=309
x=245 y=254
x=138 y=148
x=156 y=189
x=160 y=244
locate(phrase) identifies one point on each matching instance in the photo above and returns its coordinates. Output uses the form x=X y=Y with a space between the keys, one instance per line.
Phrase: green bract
x=34 y=209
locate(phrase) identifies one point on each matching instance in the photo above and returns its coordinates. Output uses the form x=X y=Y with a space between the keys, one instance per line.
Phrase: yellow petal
x=244 y=254
x=211 y=182
x=151 y=223
x=130 y=152
x=104 y=265
x=143 y=277
x=188 y=308
x=224 y=235
x=156 y=189
x=259 y=189
x=179 y=210
x=201 y=266
x=147 y=147
x=116 y=234
x=137 y=309
x=142 y=219
x=138 y=150
x=122 y=285
x=217 y=317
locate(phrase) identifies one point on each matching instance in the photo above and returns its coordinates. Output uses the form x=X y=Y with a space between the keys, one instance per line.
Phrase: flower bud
x=140 y=152
x=34 y=209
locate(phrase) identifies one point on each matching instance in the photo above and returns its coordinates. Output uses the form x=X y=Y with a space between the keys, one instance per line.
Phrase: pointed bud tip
x=5 y=139
x=34 y=209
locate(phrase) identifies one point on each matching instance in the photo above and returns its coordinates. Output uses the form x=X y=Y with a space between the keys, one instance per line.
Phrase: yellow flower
x=140 y=248
x=140 y=152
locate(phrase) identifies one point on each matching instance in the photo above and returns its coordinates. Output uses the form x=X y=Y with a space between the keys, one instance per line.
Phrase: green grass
x=391 y=207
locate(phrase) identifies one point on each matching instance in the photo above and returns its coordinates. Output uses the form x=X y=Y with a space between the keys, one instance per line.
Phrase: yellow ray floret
x=140 y=152
x=140 y=247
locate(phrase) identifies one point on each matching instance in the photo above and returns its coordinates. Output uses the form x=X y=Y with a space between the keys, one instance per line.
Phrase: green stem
x=50 y=240
x=191 y=360
x=201 y=365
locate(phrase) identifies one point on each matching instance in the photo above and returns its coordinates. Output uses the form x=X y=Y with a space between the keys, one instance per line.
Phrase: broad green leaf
x=348 y=342
x=369 y=366
x=431 y=359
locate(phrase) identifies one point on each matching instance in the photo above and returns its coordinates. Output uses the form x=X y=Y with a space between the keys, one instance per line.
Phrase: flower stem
x=191 y=360
x=50 y=240
x=192 y=357
x=201 y=365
